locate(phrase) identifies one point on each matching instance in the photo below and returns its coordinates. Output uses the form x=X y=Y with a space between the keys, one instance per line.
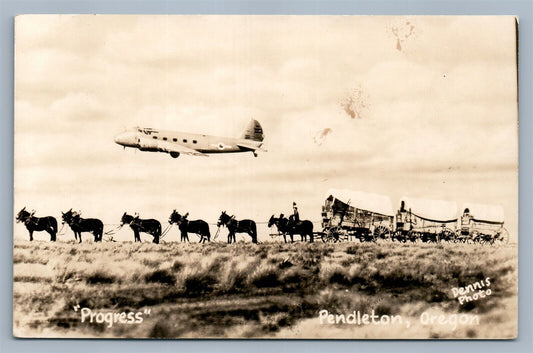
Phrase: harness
x=31 y=220
x=163 y=233
x=62 y=226
x=138 y=222
x=232 y=219
x=114 y=230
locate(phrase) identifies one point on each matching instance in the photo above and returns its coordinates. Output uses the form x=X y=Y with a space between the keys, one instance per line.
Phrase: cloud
x=77 y=106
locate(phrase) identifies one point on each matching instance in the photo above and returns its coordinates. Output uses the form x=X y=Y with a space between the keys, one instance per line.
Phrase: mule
x=235 y=226
x=39 y=224
x=198 y=226
x=150 y=226
x=281 y=224
x=79 y=225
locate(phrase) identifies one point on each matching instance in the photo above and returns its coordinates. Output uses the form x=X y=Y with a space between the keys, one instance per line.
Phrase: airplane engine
x=148 y=145
x=174 y=154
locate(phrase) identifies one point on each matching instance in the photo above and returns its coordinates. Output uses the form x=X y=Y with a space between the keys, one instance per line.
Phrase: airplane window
x=164 y=138
x=175 y=140
x=193 y=141
x=155 y=137
x=184 y=140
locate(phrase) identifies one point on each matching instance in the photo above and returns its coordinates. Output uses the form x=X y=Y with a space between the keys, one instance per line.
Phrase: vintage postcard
x=317 y=177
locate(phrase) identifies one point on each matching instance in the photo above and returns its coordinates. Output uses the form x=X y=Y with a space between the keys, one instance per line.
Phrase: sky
x=401 y=106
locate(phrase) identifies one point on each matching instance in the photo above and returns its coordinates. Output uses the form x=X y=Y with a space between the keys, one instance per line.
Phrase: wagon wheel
x=340 y=235
x=474 y=237
x=365 y=235
x=325 y=235
x=502 y=237
x=330 y=235
x=479 y=237
x=457 y=237
x=381 y=232
x=447 y=235
x=399 y=236
x=462 y=238
x=413 y=236
x=429 y=237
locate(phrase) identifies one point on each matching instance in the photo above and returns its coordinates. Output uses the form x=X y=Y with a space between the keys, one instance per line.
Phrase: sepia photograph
x=265 y=177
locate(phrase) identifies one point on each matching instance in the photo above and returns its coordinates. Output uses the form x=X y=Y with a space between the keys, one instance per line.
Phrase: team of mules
x=153 y=227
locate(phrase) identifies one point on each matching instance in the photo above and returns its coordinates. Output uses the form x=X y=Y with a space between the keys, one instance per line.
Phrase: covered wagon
x=482 y=223
x=425 y=220
x=348 y=214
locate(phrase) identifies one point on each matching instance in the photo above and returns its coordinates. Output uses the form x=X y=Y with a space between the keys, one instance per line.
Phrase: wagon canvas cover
x=115 y=236
x=483 y=212
x=375 y=203
x=432 y=210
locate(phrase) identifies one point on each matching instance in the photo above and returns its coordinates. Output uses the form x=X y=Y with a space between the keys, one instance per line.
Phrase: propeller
x=125 y=129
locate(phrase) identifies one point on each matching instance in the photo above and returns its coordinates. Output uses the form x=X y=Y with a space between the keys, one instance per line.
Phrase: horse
x=234 y=226
x=48 y=224
x=150 y=226
x=79 y=225
x=198 y=226
x=281 y=224
x=289 y=226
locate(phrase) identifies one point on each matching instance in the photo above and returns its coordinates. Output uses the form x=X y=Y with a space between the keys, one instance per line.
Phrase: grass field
x=259 y=291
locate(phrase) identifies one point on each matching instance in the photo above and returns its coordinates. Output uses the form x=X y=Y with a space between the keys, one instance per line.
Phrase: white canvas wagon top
x=363 y=200
x=434 y=210
x=482 y=212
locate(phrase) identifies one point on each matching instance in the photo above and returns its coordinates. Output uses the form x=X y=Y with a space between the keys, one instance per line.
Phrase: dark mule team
x=153 y=226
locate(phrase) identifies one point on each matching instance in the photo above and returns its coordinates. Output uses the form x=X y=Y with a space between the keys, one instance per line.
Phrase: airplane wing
x=251 y=147
x=165 y=146
x=174 y=147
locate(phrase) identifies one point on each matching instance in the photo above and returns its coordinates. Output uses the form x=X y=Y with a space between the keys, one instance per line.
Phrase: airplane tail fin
x=253 y=131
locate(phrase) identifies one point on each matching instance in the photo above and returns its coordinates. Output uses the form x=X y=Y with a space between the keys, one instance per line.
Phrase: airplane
x=176 y=143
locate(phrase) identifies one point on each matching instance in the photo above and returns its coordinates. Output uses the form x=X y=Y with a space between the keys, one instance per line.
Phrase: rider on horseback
x=293 y=225
x=294 y=219
x=296 y=215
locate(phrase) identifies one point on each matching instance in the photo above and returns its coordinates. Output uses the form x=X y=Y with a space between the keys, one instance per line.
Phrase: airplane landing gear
x=174 y=154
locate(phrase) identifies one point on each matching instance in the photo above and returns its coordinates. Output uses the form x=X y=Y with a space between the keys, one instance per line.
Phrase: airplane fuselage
x=200 y=143
x=175 y=142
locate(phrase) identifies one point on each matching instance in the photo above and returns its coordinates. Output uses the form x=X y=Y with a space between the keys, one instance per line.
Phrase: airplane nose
x=119 y=139
x=124 y=139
